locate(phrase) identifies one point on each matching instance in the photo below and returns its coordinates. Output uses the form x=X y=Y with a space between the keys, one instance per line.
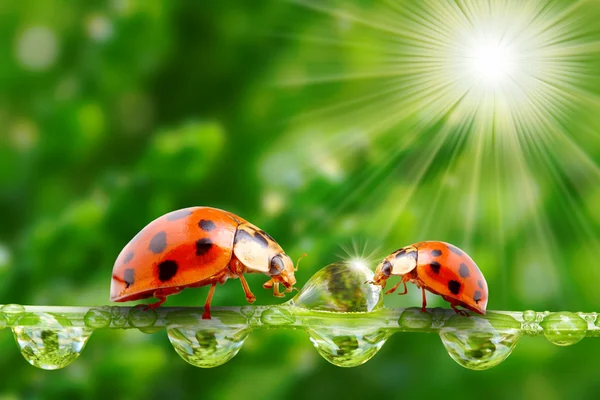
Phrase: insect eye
x=276 y=267
x=386 y=269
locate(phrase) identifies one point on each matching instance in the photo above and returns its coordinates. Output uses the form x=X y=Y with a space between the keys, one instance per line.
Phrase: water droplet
x=277 y=316
x=480 y=343
x=50 y=345
x=96 y=318
x=529 y=316
x=247 y=311
x=209 y=346
x=340 y=287
x=564 y=328
x=347 y=346
x=413 y=318
x=118 y=316
x=142 y=316
x=12 y=312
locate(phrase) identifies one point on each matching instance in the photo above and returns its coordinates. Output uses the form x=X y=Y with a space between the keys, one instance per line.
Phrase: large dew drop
x=347 y=347
x=51 y=343
x=564 y=328
x=207 y=343
x=480 y=343
x=340 y=287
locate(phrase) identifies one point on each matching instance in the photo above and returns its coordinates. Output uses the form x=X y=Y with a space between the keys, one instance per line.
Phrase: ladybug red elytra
x=195 y=247
x=441 y=268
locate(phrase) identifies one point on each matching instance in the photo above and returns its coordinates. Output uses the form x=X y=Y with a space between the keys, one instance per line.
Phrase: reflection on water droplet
x=209 y=346
x=564 y=328
x=347 y=347
x=96 y=318
x=142 y=316
x=480 y=343
x=340 y=287
x=413 y=318
x=12 y=312
x=50 y=345
x=277 y=316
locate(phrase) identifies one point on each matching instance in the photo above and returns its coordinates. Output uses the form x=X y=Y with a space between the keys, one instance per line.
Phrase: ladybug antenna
x=298 y=262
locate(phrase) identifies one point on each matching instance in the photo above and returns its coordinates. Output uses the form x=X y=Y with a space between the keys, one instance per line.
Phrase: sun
x=491 y=61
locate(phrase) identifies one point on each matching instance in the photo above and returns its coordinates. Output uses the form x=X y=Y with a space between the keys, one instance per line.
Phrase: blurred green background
x=344 y=129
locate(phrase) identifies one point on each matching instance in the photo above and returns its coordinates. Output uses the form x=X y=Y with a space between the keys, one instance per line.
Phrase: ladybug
x=441 y=268
x=195 y=247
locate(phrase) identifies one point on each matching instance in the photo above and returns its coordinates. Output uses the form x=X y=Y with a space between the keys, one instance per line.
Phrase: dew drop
x=564 y=328
x=142 y=316
x=340 y=287
x=209 y=346
x=50 y=345
x=277 y=316
x=247 y=311
x=480 y=343
x=96 y=318
x=347 y=346
x=413 y=318
x=12 y=312
x=118 y=316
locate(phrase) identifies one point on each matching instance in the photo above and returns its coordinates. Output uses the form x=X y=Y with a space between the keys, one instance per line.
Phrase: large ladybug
x=441 y=268
x=195 y=247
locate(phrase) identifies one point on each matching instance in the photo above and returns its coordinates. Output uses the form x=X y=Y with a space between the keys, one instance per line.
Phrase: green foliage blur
x=113 y=113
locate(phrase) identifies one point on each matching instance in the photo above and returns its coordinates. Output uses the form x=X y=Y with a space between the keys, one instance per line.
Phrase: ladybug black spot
x=400 y=252
x=129 y=277
x=158 y=244
x=477 y=296
x=265 y=234
x=435 y=267
x=464 y=270
x=203 y=246
x=436 y=253
x=479 y=283
x=454 y=286
x=206 y=225
x=261 y=239
x=128 y=258
x=166 y=270
x=179 y=214
x=456 y=250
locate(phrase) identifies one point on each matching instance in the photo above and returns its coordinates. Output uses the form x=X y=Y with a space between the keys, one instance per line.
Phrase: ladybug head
x=281 y=269
x=399 y=263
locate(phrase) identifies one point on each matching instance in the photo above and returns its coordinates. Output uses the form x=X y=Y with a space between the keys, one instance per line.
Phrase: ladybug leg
x=249 y=296
x=206 y=314
x=276 y=292
x=424 y=309
x=161 y=299
x=268 y=284
x=392 y=290
x=459 y=312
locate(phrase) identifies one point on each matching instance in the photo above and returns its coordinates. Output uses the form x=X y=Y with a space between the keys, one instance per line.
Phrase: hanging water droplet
x=210 y=346
x=340 y=287
x=277 y=316
x=347 y=346
x=50 y=345
x=413 y=318
x=96 y=318
x=480 y=343
x=564 y=328
x=12 y=312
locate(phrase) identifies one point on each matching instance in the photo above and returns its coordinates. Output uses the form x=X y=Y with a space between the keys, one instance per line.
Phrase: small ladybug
x=442 y=269
x=195 y=247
